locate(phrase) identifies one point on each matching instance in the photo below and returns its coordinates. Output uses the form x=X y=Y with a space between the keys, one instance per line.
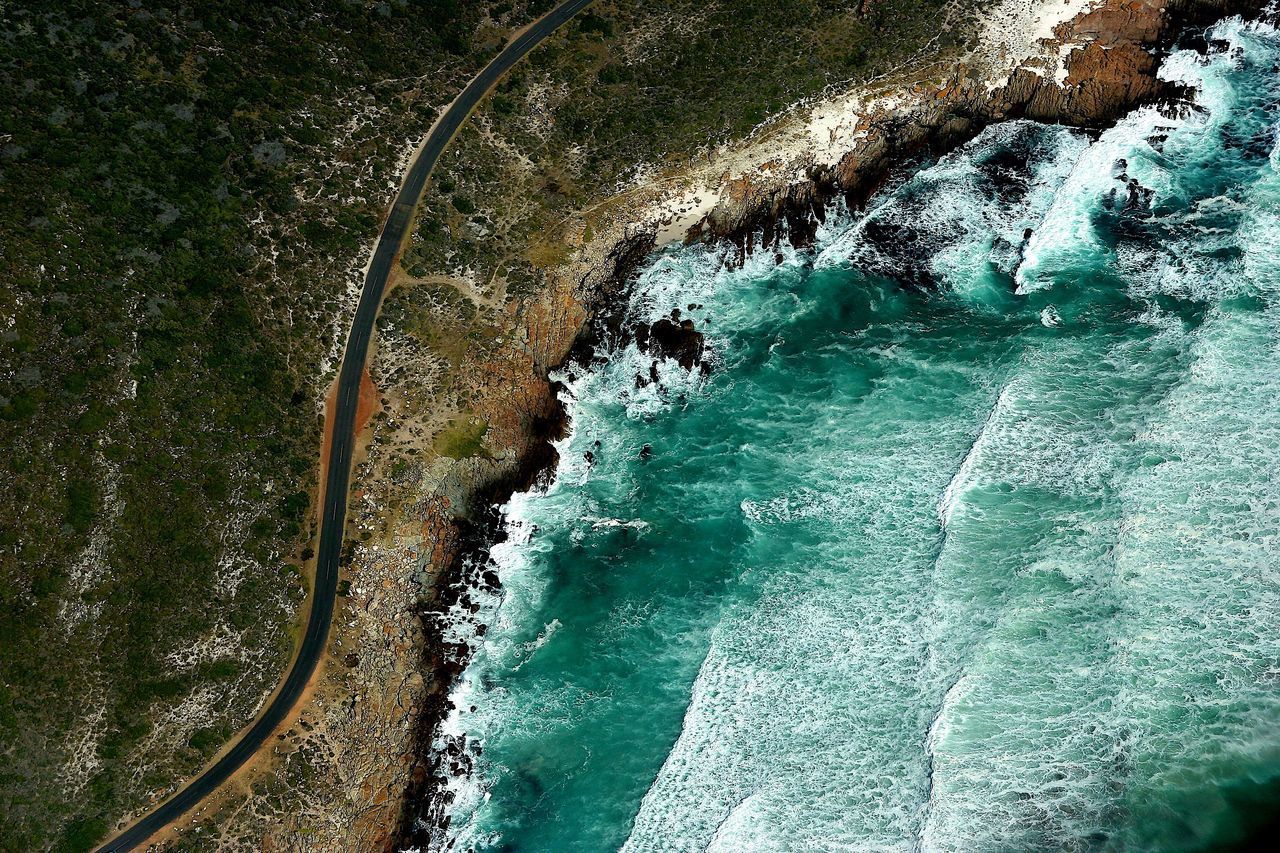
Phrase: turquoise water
x=970 y=541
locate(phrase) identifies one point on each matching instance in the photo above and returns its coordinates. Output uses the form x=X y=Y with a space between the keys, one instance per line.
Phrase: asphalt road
x=334 y=511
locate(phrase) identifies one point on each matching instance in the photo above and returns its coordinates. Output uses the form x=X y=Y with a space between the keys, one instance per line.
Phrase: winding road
x=338 y=472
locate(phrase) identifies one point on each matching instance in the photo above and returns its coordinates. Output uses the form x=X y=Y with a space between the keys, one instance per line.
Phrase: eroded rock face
x=1111 y=69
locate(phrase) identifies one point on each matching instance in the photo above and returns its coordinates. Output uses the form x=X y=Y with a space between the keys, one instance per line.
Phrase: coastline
x=1098 y=65
x=357 y=770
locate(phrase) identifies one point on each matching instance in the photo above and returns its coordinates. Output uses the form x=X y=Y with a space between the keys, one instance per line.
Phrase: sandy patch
x=1014 y=32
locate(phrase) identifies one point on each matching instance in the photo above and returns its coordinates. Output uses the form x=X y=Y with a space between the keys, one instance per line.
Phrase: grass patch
x=463 y=438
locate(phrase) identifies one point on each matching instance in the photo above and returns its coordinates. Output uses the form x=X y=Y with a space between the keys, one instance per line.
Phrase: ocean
x=969 y=540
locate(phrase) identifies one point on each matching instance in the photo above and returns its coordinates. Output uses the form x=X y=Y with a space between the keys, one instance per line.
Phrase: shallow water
x=971 y=540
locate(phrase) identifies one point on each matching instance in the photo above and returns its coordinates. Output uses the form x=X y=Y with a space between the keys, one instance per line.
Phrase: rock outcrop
x=671 y=338
x=1111 y=63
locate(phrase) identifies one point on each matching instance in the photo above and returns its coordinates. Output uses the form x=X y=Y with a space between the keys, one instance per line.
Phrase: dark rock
x=674 y=339
x=1139 y=197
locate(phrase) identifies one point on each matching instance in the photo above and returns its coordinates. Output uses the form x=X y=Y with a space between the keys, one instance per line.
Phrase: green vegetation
x=463 y=438
x=177 y=223
x=634 y=82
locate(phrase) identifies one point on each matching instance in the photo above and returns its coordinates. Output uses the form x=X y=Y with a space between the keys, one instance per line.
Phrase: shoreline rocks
x=1112 y=71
